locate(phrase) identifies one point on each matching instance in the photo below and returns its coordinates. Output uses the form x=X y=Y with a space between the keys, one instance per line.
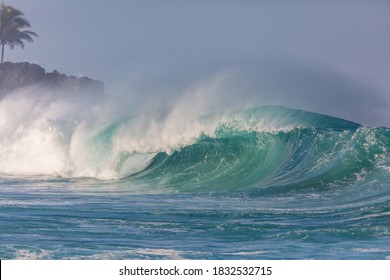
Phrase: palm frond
x=13 y=27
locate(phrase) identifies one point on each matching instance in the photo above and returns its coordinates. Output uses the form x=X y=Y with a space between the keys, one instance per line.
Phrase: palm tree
x=12 y=28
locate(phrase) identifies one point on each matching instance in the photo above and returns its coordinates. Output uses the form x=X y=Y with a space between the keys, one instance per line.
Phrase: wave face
x=304 y=157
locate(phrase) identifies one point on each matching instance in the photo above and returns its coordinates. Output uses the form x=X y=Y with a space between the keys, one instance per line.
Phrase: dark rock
x=21 y=75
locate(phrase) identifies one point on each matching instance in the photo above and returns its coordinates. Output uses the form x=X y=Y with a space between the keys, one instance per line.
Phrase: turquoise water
x=262 y=183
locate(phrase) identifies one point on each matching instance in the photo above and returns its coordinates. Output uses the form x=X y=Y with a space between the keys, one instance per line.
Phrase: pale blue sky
x=346 y=42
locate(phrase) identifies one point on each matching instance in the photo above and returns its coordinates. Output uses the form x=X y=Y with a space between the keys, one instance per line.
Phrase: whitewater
x=83 y=177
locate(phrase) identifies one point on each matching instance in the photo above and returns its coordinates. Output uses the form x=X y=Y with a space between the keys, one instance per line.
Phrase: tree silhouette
x=12 y=28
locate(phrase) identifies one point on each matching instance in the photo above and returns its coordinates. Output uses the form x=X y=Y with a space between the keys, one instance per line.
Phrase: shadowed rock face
x=20 y=75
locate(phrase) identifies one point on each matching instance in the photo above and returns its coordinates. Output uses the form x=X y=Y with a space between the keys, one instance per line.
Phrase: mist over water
x=323 y=56
x=244 y=83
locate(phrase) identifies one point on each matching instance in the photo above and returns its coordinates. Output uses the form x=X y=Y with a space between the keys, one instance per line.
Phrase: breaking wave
x=252 y=148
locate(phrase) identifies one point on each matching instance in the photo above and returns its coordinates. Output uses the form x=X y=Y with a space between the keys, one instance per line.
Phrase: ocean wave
x=273 y=148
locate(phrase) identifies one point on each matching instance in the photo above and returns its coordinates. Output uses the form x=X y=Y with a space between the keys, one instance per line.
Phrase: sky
x=331 y=57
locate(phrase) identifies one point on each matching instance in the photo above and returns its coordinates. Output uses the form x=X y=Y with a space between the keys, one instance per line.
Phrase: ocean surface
x=259 y=183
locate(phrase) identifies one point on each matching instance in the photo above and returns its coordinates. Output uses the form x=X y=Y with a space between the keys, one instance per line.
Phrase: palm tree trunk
x=2 y=52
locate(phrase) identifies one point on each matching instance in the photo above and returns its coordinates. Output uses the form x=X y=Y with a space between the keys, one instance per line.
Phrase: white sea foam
x=248 y=253
x=146 y=253
x=33 y=135
x=42 y=133
x=371 y=250
x=25 y=254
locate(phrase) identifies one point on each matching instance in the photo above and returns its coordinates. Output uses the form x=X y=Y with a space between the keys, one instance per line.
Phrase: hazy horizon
x=331 y=57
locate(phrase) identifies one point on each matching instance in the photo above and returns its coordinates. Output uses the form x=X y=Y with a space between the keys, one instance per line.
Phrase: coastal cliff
x=15 y=76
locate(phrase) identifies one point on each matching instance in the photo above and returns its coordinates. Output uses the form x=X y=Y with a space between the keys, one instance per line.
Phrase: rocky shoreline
x=14 y=76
